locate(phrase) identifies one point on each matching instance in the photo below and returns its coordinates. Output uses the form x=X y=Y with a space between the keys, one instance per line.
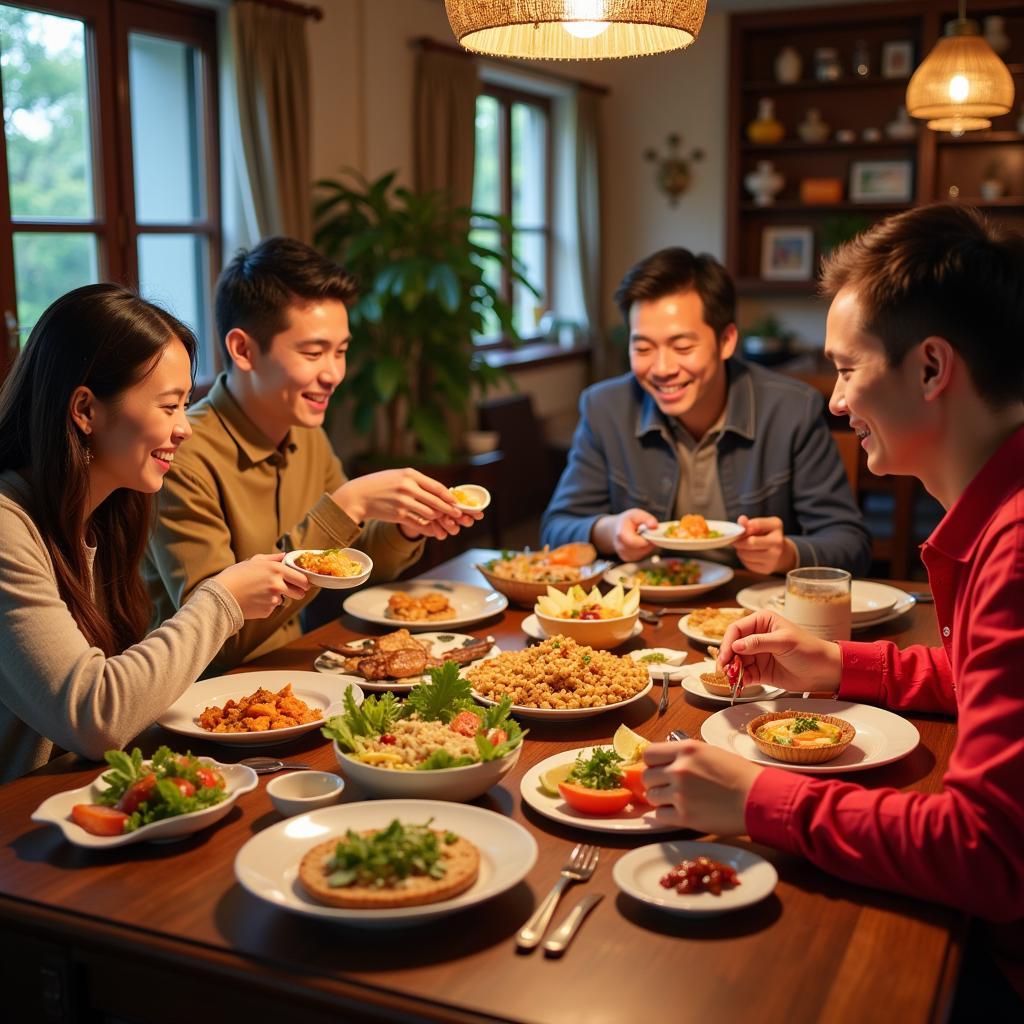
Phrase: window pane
x=531 y=249
x=173 y=274
x=492 y=275
x=45 y=267
x=166 y=148
x=46 y=115
x=487 y=165
x=529 y=165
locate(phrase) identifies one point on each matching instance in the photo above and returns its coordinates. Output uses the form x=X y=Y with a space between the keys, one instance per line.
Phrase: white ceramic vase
x=765 y=183
x=788 y=65
x=901 y=127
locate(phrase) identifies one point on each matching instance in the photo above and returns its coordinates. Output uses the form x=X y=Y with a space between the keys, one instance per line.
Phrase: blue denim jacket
x=775 y=458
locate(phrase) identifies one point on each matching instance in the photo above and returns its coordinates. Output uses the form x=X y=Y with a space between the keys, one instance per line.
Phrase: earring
x=88 y=453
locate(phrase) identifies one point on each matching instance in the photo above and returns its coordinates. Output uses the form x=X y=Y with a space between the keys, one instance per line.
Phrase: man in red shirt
x=926 y=331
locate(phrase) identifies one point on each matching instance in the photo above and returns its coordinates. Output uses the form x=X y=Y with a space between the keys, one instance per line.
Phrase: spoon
x=266 y=765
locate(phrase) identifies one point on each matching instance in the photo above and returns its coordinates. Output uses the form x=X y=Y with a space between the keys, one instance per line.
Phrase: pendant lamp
x=962 y=83
x=575 y=29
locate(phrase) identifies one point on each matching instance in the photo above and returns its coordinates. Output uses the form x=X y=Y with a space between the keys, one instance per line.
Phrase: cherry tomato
x=210 y=777
x=594 y=801
x=137 y=794
x=497 y=736
x=185 y=788
x=466 y=723
x=389 y=739
x=633 y=780
x=98 y=820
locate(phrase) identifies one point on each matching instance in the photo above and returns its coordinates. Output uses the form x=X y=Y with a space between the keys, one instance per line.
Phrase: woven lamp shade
x=961 y=84
x=535 y=29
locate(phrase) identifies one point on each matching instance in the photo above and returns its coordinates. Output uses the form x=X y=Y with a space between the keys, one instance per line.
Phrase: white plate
x=671 y=665
x=692 y=684
x=554 y=807
x=56 y=810
x=332 y=663
x=862 y=593
x=324 y=580
x=319 y=691
x=731 y=532
x=882 y=737
x=532 y=628
x=268 y=864
x=471 y=604
x=712 y=574
x=638 y=874
x=564 y=714
x=695 y=635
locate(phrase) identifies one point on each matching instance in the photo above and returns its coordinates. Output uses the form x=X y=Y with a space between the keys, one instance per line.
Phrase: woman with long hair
x=90 y=418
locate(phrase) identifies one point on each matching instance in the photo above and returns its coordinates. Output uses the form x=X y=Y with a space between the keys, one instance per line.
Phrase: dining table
x=164 y=932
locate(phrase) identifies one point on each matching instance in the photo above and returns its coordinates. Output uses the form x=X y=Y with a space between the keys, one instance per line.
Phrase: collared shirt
x=775 y=457
x=965 y=845
x=700 y=490
x=231 y=494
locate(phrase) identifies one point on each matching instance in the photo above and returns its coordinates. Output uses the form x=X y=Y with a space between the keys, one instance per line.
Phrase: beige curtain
x=444 y=130
x=588 y=219
x=272 y=79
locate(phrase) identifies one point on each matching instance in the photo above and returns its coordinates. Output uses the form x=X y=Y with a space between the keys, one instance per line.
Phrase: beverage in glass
x=818 y=600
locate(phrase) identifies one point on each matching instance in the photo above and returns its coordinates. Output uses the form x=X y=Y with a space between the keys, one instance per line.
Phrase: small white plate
x=862 y=593
x=881 y=736
x=532 y=628
x=475 y=493
x=327 y=582
x=639 y=873
x=471 y=604
x=633 y=819
x=439 y=644
x=673 y=660
x=712 y=575
x=565 y=714
x=731 y=532
x=56 y=810
x=692 y=684
x=267 y=866
x=696 y=635
x=321 y=692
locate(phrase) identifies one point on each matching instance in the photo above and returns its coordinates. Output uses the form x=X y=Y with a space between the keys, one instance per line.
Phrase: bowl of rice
x=332 y=568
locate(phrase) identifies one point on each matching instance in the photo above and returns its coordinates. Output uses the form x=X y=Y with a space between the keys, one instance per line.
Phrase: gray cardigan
x=776 y=457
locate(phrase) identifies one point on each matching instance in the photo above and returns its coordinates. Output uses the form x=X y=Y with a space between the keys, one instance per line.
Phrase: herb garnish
x=655 y=658
x=388 y=856
x=599 y=771
x=801 y=724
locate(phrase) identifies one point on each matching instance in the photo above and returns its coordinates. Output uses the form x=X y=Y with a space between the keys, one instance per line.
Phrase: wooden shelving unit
x=942 y=166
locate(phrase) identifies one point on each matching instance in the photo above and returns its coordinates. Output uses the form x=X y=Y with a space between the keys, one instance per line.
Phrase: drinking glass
x=818 y=600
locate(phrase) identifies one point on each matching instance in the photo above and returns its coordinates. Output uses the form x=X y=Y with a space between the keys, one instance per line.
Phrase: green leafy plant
x=427 y=286
x=769 y=327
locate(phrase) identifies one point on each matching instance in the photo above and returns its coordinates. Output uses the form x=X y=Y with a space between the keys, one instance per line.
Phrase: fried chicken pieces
x=400 y=655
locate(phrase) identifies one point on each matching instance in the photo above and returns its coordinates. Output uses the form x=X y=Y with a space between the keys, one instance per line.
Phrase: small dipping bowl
x=470 y=497
x=298 y=792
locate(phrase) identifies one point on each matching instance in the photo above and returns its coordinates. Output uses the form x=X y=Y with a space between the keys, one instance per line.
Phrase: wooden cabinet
x=773 y=249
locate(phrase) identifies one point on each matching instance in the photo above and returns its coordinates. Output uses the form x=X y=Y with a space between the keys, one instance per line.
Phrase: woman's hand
x=420 y=506
x=695 y=785
x=619 y=534
x=774 y=652
x=260 y=584
x=764 y=548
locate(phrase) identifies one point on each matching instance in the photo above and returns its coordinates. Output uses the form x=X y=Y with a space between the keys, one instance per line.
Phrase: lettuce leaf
x=443 y=697
x=371 y=718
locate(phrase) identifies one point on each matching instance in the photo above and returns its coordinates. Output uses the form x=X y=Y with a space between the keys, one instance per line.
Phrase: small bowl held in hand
x=330 y=581
x=470 y=497
x=298 y=792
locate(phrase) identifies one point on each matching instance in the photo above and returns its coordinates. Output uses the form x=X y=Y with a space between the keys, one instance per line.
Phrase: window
x=512 y=177
x=108 y=160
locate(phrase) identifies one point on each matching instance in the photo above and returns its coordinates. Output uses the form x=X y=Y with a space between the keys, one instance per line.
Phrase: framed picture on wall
x=897 y=58
x=787 y=254
x=881 y=181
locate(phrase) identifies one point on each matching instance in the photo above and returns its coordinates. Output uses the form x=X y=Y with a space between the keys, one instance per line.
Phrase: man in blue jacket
x=693 y=429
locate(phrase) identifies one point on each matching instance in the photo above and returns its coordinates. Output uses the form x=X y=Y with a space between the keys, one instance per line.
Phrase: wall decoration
x=885 y=181
x=787 y=253
x=674 y=168
x=897 y=58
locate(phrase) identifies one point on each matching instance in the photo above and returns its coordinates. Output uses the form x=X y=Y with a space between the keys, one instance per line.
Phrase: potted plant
x=425 y=290
x=767 y=342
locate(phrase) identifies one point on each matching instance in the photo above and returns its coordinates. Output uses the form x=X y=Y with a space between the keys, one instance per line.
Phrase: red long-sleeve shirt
x=963 y=846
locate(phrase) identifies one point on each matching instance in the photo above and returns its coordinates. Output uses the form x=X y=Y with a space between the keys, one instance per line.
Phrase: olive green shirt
x=231 y=494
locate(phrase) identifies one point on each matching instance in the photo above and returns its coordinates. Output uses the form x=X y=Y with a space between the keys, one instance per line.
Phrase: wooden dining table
x=164 y=932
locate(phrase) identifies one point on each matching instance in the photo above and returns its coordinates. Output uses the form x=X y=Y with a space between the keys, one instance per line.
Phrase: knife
x=563 y=934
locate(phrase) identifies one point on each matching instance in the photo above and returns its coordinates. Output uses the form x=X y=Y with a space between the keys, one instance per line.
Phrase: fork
x=578 y=868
